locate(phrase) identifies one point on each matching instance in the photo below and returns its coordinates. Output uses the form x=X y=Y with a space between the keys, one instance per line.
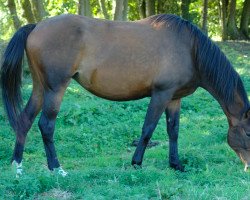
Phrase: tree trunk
x=38 y=10
x=185 y=9
x=118 y=10
x=81 y=7
x=204 y=16
x=150 y=7
x=104 y=9
x=142 y=8
x=125 y=10
x=27 y=11
x=160 y=6
x=84 y=8
x=232 y=29
x=12 y=8
x=245 y=19
x=223 y=15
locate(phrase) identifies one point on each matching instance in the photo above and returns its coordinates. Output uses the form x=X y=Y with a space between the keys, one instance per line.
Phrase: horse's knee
x=47 y=128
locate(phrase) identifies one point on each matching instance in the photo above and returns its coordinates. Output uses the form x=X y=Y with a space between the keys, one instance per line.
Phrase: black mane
x=209 y=60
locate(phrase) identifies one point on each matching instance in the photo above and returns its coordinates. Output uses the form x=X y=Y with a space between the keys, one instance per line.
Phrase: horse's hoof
x=60 y=171
x=18 y=168
x=178 y=167
x=136 y=165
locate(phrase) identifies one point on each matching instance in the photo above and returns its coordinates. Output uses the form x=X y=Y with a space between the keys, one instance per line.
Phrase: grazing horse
x=163 y=57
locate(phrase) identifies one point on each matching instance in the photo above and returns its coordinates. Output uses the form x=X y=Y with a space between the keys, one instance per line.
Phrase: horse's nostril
x=246 y=167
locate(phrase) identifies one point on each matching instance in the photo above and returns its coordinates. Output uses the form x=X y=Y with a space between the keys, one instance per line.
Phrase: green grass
x=93 y=140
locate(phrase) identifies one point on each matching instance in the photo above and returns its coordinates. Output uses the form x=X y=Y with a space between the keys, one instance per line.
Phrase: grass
x=93 y=140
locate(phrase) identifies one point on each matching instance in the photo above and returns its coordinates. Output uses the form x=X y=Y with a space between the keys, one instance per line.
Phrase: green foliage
x=61 y=6
x=6 y=24
x=54 y=8
x=133 y=13
x=214 y=26
x=93 y=139
x=172 y=7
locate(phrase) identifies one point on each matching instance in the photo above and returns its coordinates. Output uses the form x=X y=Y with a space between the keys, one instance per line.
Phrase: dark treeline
x=229 y=19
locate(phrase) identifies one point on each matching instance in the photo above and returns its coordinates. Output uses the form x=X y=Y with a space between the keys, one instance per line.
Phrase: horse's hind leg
x=26 y=119
x=157 y=105
x=172 y=118
x=51 y=106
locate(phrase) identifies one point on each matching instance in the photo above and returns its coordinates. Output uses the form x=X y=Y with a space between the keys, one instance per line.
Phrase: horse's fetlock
x=173 y=137
x=146 y=138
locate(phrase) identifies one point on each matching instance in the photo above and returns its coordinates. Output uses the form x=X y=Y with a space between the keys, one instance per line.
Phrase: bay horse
x=163 y=57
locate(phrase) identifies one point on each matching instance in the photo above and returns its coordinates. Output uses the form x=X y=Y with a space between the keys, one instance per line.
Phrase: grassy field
x=93 y=139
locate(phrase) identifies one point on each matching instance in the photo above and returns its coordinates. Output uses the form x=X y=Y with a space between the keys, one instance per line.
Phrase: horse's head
x=239 y=139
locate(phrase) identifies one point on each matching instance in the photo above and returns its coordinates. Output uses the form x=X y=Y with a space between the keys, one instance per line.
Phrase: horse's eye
x=247 y=132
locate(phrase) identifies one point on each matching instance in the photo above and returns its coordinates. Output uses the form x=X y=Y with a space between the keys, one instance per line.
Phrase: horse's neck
x=235 y=109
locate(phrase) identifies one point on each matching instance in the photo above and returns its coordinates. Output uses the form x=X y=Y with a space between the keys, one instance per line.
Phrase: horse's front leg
x=157 y=105
x=52 y=101
x=172 y=118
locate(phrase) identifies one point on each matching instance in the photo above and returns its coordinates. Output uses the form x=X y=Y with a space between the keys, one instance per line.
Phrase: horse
x=163 y=57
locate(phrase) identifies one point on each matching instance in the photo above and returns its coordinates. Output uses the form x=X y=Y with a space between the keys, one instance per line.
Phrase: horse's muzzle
x=246 y=168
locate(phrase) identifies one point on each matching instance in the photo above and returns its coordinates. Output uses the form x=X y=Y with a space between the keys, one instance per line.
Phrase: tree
x=125 y=10
x=118 y=10
x=150 y=7
x=171 y=6
x=84 y=8
x=232 y=30
x=204 y=16
x=185 y=9
x=104 y=9
x=142 y=8
x=245 y=19
x=160 y=6
x=27 y=11
x=223 y=15
x=12 y=8
x=38 y=10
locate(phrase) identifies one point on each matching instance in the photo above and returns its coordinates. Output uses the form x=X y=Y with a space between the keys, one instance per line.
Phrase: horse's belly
x=113 y=85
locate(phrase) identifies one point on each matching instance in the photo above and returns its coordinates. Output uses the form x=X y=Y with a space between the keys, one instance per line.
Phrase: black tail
x=11 y=73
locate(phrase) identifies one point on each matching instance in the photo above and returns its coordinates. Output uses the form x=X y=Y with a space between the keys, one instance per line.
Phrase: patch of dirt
x=150 y=143
x=55 y=194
